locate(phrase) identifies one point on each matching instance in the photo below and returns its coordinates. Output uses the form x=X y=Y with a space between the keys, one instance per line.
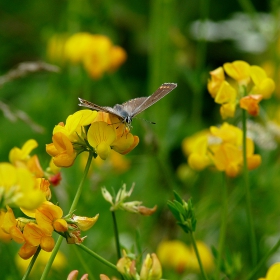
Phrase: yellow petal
x=85 y=223
x=8 y=175
x=23 y=153
x=64 y=159
x=60 y=225
x=33 y=234
x=100 y=132
x=217 y=78
x=46 y=214
x=123 y=143
x=47 y=243
x=238 y=70
x=227 y=110
x=9 y=220
x=27 y=251
x=226 y=93
x=103 y=150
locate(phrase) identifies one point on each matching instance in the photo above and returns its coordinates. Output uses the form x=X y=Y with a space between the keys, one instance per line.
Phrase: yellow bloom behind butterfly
x=96 y=52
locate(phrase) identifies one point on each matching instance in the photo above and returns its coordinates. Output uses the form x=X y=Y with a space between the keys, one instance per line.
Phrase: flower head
x=151 y=268
x=222 y=148
x=249 y=85
x=18 y=187
x=95 y=52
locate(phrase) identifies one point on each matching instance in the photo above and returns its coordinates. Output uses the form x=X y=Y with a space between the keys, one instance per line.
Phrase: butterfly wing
x=106 y=109
x=145 y=102
x=132 y=104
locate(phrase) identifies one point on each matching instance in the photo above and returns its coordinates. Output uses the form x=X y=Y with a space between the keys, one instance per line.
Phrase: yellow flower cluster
x=220 y=147
x=180 y=257
x=96 y=52
x=105 y=132
x=21 y=180
x=22 y=184
x=38 y=232
x=249 y=85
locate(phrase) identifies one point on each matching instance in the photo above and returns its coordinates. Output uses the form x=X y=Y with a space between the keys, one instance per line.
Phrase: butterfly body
x=128 y=110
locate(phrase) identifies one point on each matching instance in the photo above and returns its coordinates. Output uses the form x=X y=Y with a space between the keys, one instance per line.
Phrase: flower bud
x=85 y=223
x=151 y=268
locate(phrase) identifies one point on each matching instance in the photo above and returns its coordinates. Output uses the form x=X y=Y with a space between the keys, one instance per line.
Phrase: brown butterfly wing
x=163 y=90
x=90 y=105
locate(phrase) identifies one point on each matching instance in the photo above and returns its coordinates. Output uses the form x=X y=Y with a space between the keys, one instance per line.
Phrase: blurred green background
x=164 y=43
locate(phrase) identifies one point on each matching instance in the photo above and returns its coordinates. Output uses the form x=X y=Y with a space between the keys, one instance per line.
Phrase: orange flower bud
x=60 y=225
x=250 y=103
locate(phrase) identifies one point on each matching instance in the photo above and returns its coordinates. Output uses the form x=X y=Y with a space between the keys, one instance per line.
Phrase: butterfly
x=128 y=110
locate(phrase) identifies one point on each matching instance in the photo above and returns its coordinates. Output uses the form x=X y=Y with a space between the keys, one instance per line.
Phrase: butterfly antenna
x=145 y=120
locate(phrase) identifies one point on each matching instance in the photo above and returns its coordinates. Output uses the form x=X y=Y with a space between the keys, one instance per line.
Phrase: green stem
x=80 y=188
x=223 y=227
x=198 y=256
x=116 y=232
x=263 y=261
x=83 y=262
x=96 y=256
x=248 y=195
x=32 y=262
x=72 y=208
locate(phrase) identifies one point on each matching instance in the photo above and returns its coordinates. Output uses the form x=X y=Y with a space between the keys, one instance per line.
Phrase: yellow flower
x=151 y=268
x=225 y=94
x=177 y=255
x=217 y=78
x=48 y=217
x=273 y=272
x=100 y=137
x=85 y=223
x=69 y=139
x=126 y=266
x=19 y=187
x=74 y=123
x=250 y=85
x=61 y=150
x=21 y=158
x=5 y=237
x=27 y=251
x=223 y=149
x=174 y=254
x=22 y=154
x=250 y=103
x=263 y=85
x=35 y=236
x=118 y=57
x=228 y=158
x=238 y=70
x=108 y=132
x=9 y=225
x=96 y=52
